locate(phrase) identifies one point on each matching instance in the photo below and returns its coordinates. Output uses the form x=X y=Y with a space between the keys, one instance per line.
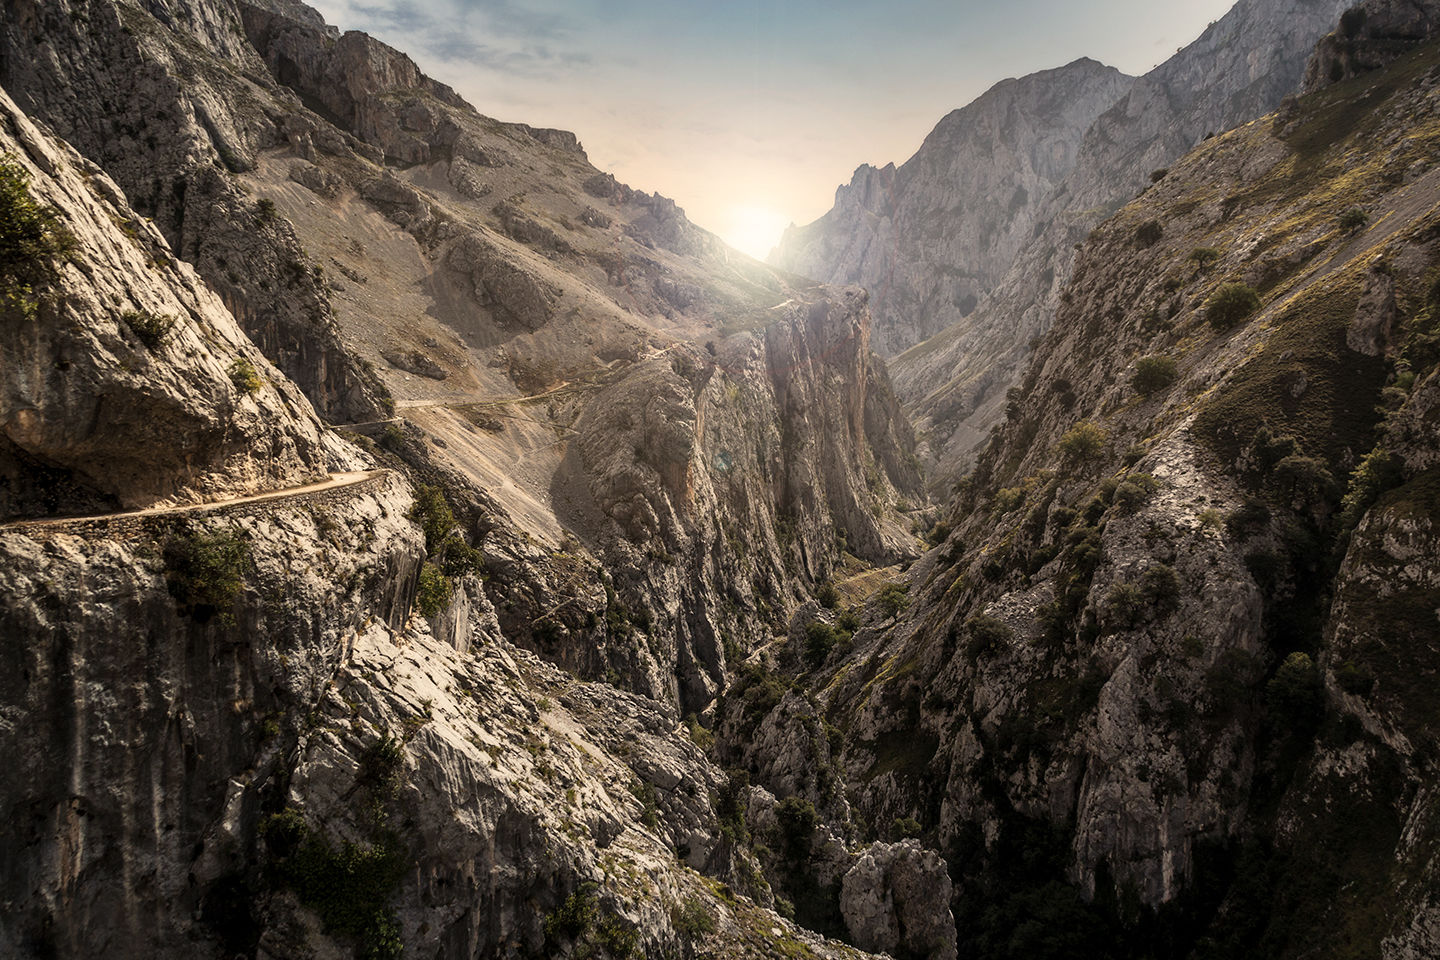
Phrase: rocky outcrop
x=896 y=900
x=930 y=239
x=740 y=472
x=125 y=381
x=1372 y=35
x=354 y=81
x=161 y=106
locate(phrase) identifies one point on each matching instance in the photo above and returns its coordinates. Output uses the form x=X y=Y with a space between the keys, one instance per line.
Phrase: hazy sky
x=750 y=113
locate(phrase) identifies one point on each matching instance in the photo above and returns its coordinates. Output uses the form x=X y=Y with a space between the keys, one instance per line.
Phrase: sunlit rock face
x=929 y=239
x=978 y=282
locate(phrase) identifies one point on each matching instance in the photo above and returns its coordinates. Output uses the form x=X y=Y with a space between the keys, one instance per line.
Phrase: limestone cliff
x=123 y=84
x=1166 y=676
x=124 y=381
x=933 y=237
x=1242 y=66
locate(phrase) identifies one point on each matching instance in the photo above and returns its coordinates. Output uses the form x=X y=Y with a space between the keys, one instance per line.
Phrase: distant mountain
x=931 y=238
x=955 y=385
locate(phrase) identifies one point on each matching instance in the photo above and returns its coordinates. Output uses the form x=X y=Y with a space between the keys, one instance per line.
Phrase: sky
x=749 y=113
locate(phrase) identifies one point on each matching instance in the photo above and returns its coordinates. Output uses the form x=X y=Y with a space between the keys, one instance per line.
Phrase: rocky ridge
x=954 y=384
x=931 y=238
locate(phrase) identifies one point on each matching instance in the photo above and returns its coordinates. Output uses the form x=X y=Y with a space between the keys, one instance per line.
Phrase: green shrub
x=1149 y=233
x=348 y=886
x=1230 y=304
x=1202 y=257
x=649 y=803
x=1353 y=219
x=691 y=918
x=32 y=238
x=205 y=573
x=434 y=591
x=1153 y=374
x=893 y=599
x=152 y=329
x=576 y=917
x=265 y=210
x=820 y=639
x=1303 y=479
x=797 y=819
x=1083 y=442
x=447 y=548
x=432 y=512
x=827 y=596
x=1008 y=499
x=1124 y=605
x=1380 y=471
x=730 y=802
x=848 y=621
x=1134 y=491
x=1353 y=678
x=983 y=634
x=1248 y=519
x=244 y=376
x=1160 y=585
x=1157 y=175
x=903 y=828
x=1295 y=692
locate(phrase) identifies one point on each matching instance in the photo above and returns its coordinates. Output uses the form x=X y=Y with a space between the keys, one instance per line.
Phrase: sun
x=753 y=230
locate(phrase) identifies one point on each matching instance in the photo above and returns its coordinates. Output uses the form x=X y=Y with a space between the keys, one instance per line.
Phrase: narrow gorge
x=415 y=541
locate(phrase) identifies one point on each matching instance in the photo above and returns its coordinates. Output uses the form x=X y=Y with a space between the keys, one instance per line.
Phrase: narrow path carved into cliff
x=335 y=482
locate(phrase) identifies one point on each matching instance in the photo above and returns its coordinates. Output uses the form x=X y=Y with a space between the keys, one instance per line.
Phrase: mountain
x=955 y=383
x=931 y=238
x=1165 y=686
x=415 y=542
x=382 y=485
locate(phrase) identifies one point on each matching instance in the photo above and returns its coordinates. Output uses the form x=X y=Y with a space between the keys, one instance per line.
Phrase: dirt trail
x=336 y=481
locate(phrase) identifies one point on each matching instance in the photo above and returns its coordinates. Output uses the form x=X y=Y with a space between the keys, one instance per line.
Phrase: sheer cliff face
x=306 y=726
x=1241 y=67
x=1180 y=643
x=170 y=105
x=930 y=239
x=119 y=376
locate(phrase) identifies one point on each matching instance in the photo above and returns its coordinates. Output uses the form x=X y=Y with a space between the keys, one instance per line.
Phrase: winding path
x=336 y=481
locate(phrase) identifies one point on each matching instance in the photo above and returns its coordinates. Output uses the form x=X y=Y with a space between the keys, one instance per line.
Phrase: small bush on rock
x=434 y=592
x=1202 y=257
x=1149 y=233
x=244 y=376
x=152 y=329
x=1353 y=219
x=1083 y=442
x=205 y=573
x=1230 y=304
x=1153 y=374
x=798 y=820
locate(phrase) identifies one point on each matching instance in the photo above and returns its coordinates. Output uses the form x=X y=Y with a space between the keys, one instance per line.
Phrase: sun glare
x=753 y=230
